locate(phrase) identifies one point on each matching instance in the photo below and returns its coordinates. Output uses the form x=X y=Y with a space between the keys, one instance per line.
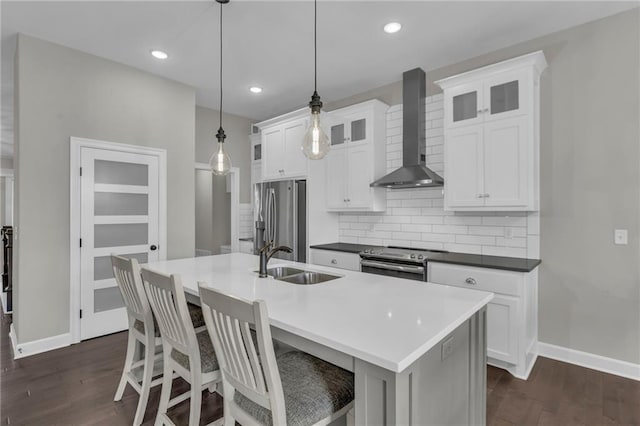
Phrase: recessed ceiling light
x=159 y=54
x=255 y=89
x=392 y=27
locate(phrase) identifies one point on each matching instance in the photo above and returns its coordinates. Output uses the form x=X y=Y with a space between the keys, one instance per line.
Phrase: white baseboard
x=588 y=360
x=37 y=346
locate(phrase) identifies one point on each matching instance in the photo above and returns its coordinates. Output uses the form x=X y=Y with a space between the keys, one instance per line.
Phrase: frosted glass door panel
x=119 y=214
x=102 y=269
x=115 y=203
x=465 y=106
x=358 y=130
x=119 y=235
x=106 y=299
x=119 y=173
x=504 y=97
x=337 y=134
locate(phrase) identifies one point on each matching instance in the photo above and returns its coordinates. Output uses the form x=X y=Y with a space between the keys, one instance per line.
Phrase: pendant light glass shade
x=315 y=143
x=220 y=162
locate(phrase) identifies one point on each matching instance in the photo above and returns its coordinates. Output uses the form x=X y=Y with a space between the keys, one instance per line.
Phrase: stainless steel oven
x=393 y=269
x=399 y=262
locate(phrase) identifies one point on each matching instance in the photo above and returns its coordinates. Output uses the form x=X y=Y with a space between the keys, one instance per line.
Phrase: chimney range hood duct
x=413 y=173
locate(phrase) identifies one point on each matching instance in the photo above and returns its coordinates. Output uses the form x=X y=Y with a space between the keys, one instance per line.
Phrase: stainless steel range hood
x=413 y=172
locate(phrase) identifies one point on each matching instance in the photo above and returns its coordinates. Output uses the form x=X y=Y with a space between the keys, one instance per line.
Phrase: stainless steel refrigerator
x=281 y=207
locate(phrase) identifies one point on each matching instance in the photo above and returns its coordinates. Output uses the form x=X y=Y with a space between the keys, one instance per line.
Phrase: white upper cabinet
x=491 y=151
x=281 y=142
x=357 y=157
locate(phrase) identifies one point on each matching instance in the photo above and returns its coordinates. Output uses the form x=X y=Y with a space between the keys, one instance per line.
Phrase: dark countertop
x=515 y=264
x=246 y=239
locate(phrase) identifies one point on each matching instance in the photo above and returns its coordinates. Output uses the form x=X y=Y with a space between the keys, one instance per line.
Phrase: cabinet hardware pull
x=486 y=195
x=471 y=281
x=334 y=262
x=485 y=110
x=479 y=111
x=480 y=196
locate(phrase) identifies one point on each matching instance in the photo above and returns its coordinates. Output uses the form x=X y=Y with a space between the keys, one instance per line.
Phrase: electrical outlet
x=447 y=348
x=620 y=237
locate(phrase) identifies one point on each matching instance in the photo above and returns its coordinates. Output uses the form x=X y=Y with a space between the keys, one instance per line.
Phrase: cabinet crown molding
x=293 y=115
x=536 y=60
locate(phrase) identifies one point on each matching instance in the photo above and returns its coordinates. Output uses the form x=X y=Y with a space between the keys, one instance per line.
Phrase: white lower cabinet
x=512 y=315
x=335 y=259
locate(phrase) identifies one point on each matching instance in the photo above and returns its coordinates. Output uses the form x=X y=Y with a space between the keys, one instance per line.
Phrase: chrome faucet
x=266 y=254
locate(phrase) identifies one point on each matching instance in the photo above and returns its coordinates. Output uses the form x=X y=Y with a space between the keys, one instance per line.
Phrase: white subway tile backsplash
x=496 y=231
x=450 y=229
x=432 y=220
x=409 y=236
x=412 y=227
x=462 y=220
x=388 y=227
x=476 y=239
x=416 y=217
x=441 y=238
x=511 y=242
x=397 y=219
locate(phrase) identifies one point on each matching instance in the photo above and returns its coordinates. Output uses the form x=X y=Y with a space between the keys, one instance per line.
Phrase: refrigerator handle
x=267 y=221
x=274 y=216
x=294 y=208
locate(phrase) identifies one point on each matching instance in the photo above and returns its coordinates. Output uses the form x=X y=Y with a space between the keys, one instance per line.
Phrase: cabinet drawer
x=335 y=259
x=497 y=281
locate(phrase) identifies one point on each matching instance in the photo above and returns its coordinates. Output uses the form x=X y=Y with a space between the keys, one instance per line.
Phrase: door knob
x=153 y=247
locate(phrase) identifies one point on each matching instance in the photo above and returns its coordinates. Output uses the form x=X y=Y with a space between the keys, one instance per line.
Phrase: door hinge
x=80 y=242
x=80 y=313
x=80 y=171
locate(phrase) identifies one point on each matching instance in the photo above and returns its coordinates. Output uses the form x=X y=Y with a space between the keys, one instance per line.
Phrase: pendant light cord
x=220 y=65
x=315 y=45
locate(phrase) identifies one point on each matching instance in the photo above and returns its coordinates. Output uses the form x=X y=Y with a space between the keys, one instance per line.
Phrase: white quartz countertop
x=388 y=322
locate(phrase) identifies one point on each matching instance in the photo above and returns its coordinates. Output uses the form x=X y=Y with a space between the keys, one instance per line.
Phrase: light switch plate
x=620 y=237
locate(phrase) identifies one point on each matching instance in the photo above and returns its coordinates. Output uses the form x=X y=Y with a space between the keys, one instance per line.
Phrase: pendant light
x=315 y=143
x=220 y=162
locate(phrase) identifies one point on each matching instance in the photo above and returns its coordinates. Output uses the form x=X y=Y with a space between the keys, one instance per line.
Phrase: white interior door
x=119 y=214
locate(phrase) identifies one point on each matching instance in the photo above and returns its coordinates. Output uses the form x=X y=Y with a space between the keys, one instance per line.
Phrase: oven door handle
x=393 y=267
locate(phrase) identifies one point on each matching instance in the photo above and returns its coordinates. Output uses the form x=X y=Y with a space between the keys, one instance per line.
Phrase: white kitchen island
x=418 y=350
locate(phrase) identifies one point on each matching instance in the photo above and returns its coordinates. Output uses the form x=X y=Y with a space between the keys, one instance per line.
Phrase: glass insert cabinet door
x=506 y=95
x=119 y=214
x=465 y=104
x=493 y=98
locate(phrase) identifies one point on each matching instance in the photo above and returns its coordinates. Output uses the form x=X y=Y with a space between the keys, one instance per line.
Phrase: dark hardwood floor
x=75 y=386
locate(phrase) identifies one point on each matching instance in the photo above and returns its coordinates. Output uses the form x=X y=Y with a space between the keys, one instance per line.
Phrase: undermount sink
x=308 y=277
x=298 y=276
x=278 y=272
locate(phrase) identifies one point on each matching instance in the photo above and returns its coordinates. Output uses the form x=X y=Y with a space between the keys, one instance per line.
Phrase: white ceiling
x=270 y=43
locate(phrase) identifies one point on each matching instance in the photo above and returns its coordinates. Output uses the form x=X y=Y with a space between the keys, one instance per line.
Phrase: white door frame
x=76 y=145
x=233 y=186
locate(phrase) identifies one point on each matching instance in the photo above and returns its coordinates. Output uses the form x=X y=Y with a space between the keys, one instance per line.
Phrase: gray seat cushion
x=208 y=359
x=313 y=390
x=194 y=312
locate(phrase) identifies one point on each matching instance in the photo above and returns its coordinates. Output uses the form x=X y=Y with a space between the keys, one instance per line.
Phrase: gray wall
x=590 y=181
x=61 y=93
x=213 y=212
